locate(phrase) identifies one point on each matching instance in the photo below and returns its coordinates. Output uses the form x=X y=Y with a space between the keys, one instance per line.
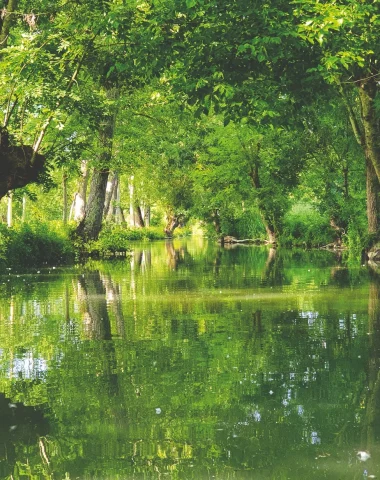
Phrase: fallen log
x=232 y=240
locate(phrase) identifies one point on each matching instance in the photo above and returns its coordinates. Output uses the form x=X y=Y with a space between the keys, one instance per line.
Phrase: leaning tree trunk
x=373 y=200
x=269 y=228
x=173 y=221
x=19 y=164
x=89 y=228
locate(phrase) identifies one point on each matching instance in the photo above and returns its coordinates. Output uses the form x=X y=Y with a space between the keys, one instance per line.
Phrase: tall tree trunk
x=119 y=215
x=373 y=200
x=147 y=216
x=110 y=190
x=65 y=207
x=89 y=228
x=367 y=135
x=346 y=192
x=131 y=187
x=23 y=215
x=255 y=178
x=367 y=94
x=139 y=220
x=10 y=210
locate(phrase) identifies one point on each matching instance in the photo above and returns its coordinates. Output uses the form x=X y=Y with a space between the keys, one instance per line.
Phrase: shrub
x=182 y=231
x=116 y=238
x=29 y=245
x=305 y=226
x=249 y=225
x=358 y=239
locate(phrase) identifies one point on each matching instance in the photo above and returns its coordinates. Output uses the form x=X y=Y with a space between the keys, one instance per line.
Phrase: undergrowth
x=115 y=240
x=305 y=226
x=30 y=245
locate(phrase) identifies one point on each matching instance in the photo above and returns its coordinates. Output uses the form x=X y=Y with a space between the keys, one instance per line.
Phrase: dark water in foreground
x=191 y=362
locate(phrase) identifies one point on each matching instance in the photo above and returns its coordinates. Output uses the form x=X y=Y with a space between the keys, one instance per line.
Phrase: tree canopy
x=201 y=109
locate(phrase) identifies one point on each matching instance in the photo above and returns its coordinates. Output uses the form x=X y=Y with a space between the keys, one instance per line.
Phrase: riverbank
x=38 y=244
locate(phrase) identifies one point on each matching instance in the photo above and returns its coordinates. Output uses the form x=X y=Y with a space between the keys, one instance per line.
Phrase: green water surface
x=188 y=361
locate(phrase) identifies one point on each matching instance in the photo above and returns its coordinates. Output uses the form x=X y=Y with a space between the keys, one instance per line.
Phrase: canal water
x=188 y=361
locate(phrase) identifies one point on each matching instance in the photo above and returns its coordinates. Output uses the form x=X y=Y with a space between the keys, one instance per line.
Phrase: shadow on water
x=21 y=426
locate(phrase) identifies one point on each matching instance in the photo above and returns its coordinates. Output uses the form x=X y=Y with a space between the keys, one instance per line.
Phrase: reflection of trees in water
x=269 y=271
x=175 y=256
x=371 y=430
x=113 y=297
x=217 y=262
x=267 y=383
x=96 y=321
x=97 y=324
x=99 y=296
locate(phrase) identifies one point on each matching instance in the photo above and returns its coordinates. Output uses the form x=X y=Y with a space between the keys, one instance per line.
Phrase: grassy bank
x=29 y=245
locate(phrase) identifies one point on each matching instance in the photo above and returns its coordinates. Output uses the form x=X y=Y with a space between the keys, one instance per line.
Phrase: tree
x=344 y=36
x=90 y=226
x=159 y=162
x=334 y=177
x=244 y=166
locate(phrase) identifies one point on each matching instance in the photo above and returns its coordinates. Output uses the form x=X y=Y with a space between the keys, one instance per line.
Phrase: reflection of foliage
x=244 y=364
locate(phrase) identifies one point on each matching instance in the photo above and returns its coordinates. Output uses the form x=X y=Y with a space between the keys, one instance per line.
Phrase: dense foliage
x=237 y=115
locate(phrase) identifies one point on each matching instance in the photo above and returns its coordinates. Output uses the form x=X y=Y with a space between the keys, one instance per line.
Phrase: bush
x=249 y=225
x=305 y=226
x=358 y=239
x=185 y=231
x=115 y=239
x=30 y=245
